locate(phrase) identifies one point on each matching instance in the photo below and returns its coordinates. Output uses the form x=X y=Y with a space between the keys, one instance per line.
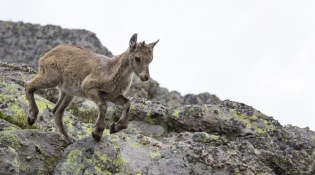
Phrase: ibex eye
x=137 y=59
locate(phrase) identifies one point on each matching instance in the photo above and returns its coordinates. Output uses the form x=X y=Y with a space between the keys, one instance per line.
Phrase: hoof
x=53 y=111
x=96 y=137
x=116 y=127
x=112 y=129
x=70 y=140
x=30 y=121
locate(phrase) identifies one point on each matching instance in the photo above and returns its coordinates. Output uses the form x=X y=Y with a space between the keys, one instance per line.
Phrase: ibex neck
x=123 y=64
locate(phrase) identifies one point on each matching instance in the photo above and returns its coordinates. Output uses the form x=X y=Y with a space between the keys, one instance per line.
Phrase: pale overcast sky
x=259 y=52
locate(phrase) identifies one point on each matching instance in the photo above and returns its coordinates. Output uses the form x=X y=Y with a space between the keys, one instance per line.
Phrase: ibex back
x=78 y=72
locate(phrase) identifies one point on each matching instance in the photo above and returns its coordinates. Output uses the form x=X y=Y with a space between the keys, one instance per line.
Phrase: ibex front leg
x=123 y=121
x=96 y=96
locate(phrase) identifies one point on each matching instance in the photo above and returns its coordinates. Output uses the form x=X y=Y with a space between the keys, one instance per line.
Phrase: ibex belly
x=72 y=88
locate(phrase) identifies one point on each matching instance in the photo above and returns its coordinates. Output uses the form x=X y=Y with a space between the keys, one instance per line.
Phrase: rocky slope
x=166 y=135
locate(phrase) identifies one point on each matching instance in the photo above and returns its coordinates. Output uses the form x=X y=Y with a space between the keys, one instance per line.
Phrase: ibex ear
x=133 y=42
x=153 y=44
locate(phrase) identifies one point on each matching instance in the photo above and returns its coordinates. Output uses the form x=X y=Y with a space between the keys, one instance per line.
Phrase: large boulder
x=225 y=117
x=30 y=151
x=116 y=153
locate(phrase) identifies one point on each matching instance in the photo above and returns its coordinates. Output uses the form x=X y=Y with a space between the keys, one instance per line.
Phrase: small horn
x=143 y=44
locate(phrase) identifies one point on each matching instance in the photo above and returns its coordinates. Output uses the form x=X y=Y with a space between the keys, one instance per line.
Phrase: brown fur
x=78 y=72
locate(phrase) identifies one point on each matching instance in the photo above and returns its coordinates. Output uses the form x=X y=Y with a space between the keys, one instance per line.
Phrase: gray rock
x=139 y=127
x=9 y=164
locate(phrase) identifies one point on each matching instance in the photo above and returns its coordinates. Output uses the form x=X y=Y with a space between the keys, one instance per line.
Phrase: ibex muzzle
x=78 y=72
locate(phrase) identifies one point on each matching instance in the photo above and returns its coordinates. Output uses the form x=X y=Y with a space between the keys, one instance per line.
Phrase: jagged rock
x=151 y=90
x=152 y=112
x=30 y=151
x=203 y=98
x=26 y=43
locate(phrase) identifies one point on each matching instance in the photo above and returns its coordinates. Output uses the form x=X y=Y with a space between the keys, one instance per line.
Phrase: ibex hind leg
x=41 y=81
x=64 y=102
x=61 y=96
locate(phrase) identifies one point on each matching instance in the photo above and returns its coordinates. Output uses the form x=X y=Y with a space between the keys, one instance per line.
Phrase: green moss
x=243 y=118
x=85 y=115
x=114 y=137
x=101 y=172
x=24 y=166
x=119 y=163
x=253 y=117
x=151 y=121
x=68 y=122
x=2 y=97
x=154 y=154
x=49 y=164
x=261 y=131
x=135 y=145
x=42 y=103
x=195 y=110
x=176 y=113
x=88 y=130
x=256 y=151
x=72 y=160
x=10 y=128
x=18 y=120
x=103 y=162
x=206 y=138
x=9 y=137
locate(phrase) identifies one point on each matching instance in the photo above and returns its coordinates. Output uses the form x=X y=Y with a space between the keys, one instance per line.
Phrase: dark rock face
x=167 y=134
x=26 y=43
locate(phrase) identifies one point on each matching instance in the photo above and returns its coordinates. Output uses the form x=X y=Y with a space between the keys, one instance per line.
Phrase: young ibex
x=78 y=72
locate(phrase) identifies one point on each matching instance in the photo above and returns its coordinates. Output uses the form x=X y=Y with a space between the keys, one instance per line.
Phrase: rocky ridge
x=26 y=43
x=205 y=137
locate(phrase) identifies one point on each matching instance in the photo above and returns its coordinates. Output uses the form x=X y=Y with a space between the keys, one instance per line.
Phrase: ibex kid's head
x=140 y=56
